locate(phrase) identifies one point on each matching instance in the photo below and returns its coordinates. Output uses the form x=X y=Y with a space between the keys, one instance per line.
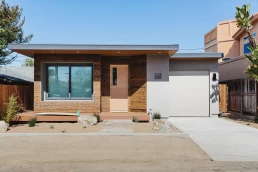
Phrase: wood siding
x=138 y=84
x=23 y=92
x=137 y=88
x=66 y=106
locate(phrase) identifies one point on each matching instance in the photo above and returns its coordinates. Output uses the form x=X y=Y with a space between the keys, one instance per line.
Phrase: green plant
x=32 y=122
x=11 y=31
x=97 y=116
x=13 y=107
x=135 y=119
x=156 y=115
x=256 y=119
x=51 y=127
x=244 y=22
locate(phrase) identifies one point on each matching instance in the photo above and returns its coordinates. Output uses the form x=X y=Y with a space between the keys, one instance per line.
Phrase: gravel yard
x=109 y=153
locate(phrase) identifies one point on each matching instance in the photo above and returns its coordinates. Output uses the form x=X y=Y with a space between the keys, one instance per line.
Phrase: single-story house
x=123 y=79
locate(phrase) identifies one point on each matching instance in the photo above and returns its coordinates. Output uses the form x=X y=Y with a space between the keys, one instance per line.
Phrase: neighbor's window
x=69 y=81
x=247 y=44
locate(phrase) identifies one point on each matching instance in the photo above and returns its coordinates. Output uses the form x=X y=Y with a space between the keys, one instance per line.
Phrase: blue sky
x=182 y=22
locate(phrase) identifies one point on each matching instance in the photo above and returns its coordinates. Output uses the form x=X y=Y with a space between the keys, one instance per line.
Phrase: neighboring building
x=233 y=43
x=123 y=79
x=19 y=81
x=220 y=39
x=16 y=75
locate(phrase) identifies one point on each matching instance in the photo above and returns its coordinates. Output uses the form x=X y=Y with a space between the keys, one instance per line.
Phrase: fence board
x=24 y=94
x=223 y=97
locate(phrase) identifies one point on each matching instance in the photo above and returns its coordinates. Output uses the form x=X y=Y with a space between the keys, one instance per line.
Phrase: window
x=246 y=48
x=114 y=76
x=247 y=44
x=69 y=81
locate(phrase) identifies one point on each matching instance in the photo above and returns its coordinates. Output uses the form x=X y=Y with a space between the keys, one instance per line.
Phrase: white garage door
x=189 y=93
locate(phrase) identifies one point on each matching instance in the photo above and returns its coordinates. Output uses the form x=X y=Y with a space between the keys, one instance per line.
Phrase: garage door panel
x=189 y=93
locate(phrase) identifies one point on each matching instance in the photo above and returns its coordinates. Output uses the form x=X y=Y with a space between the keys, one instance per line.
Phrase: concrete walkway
x=117 y=126
x=221 y=139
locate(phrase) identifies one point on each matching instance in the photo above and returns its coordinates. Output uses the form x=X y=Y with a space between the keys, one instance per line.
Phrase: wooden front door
x=119 y=88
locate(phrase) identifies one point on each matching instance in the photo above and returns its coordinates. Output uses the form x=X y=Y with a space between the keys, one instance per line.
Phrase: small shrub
x=97 y=116
x=135 y=119
x=156 y=115
x=51 y=127
x=32 y=122
x=13 y=107
x=256 y=119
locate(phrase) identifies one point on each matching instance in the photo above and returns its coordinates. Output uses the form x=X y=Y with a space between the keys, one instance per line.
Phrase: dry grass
x=241 y=120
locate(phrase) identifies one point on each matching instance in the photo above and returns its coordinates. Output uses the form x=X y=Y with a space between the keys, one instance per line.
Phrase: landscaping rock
x=87 y=120
x=3 y=127
x=162 y=126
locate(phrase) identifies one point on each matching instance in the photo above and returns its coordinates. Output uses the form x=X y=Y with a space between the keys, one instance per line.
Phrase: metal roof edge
x=198 y=55
x=92 y=47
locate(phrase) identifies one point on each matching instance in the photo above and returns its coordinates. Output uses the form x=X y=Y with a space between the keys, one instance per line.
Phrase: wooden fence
x=242 y=96
x=223 y=97
x=23 y=92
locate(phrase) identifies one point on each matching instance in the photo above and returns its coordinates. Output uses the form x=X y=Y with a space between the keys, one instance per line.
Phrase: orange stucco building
x=227 y=38
x=233 y=42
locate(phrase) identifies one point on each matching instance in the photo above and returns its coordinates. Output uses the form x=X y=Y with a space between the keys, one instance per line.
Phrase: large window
x=69 y=81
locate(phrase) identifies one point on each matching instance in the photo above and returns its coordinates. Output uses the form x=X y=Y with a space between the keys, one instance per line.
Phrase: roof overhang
x=197 y=56
x=105 y=50
x=253 y=18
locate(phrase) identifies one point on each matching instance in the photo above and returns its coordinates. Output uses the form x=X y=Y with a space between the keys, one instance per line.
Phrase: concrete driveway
x=221 y=139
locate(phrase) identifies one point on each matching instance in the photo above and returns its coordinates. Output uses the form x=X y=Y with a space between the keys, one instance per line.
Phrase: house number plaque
x=158 y=76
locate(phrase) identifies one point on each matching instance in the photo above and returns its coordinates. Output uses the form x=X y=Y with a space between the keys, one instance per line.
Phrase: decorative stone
x=162 y=126
x=87 y=120
x=3 y=126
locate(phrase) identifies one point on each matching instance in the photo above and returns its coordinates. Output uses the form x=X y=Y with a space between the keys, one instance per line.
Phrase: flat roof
x=92 y=47
x=103 y=49
x=214 y=55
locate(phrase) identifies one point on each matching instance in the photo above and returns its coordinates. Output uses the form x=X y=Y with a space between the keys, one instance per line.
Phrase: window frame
x=114 y=80
x=70 y=82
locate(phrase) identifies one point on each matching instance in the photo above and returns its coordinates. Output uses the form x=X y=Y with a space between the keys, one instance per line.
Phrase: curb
x=185 y=135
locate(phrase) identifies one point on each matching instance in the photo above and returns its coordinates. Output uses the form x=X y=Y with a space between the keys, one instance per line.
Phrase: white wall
x=157 y=89
x=210 y=65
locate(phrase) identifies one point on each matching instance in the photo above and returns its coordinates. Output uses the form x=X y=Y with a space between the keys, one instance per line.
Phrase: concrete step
x=117 y=126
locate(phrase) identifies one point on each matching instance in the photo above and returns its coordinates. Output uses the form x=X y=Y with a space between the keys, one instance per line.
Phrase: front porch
x=26 y=116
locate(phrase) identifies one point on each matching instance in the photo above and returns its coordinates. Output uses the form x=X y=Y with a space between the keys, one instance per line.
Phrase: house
x=123 y=79
x=227 y=38
x=19 y=81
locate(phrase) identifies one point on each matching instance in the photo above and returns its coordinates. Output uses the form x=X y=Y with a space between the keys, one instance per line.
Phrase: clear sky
x=182 y=22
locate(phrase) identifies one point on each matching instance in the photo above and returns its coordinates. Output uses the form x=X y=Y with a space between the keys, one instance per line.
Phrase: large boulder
x=162 y=126
x=87 y=120
x=3 y=127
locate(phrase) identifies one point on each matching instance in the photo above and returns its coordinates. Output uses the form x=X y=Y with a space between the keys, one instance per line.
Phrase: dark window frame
x=70 y=82
x=114 y=80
